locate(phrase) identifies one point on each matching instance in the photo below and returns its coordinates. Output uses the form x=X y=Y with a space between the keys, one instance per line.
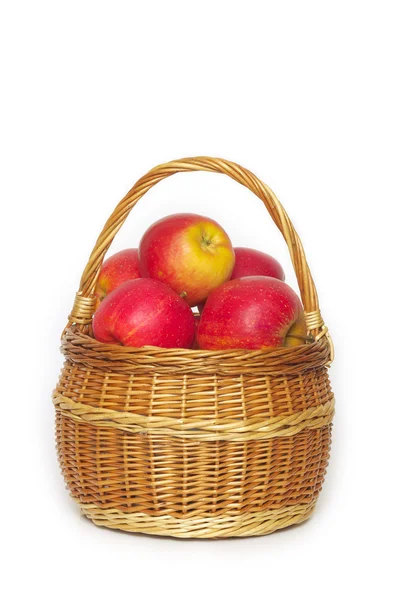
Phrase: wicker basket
x=194 y=443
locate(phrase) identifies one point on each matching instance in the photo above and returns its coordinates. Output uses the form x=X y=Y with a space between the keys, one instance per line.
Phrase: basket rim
x=82 y=348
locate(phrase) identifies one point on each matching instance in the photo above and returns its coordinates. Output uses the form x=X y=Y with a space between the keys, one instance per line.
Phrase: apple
x=190 y=253
x=252 y=312
x=144 y=312
x=250 y=262
x=117 y=269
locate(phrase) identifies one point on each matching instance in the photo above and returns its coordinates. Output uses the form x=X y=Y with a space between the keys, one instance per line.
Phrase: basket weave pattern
x=194 y=443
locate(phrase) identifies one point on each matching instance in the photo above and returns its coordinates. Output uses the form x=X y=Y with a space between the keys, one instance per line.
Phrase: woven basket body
x=194 y=443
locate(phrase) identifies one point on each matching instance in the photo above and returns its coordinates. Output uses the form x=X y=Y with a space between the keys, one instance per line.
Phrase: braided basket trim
x=203 y=526
x=202 y=429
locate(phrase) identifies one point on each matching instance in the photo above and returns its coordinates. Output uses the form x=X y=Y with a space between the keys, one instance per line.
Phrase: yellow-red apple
x=190 y=253
x=249 y=262
x=117 y=269
x=254 y=313
x=144 y=312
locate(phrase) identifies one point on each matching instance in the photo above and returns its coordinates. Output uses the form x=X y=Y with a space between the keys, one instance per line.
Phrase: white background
x=304 y=94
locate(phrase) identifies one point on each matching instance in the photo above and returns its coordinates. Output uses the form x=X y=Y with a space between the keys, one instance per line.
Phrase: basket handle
x=84 y=304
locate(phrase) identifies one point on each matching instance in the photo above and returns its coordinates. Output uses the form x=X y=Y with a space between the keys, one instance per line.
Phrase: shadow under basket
x=194 y=443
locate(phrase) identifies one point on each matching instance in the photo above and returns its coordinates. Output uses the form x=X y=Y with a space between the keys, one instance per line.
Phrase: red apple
x=252 y=312
x=190 y=253
x=250 y=262
x=117 y=269
x=144 y=312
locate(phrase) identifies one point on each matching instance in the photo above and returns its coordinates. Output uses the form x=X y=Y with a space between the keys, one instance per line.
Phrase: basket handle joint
x=83 y=309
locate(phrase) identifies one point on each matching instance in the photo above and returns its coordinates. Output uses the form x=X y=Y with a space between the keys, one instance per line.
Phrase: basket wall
x=197 y=444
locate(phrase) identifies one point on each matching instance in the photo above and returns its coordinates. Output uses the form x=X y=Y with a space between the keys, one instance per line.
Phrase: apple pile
x=146 y=296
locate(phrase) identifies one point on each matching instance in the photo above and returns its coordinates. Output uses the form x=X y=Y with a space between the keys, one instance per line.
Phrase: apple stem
x=183 y=294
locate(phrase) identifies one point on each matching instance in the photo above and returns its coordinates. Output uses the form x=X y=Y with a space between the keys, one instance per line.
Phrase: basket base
x=247 y=524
